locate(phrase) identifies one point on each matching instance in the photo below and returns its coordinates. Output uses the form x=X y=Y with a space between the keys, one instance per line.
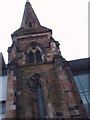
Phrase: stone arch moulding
x=38 y=78
x=34 y=45
x=40 y=92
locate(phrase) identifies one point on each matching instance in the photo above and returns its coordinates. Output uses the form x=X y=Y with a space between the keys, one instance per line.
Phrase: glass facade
x=82 y=82
x=3 y=89
x=2 y=110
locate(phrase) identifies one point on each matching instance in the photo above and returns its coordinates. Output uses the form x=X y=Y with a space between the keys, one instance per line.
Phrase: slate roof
x=80 y=65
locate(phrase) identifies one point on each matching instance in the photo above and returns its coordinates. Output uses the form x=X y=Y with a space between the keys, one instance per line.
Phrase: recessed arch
x=36 y=50
x=36 y=78
x=34 y=45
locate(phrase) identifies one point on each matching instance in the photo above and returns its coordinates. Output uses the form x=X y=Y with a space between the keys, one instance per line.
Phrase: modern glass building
x=3 y=86
x=81 y=73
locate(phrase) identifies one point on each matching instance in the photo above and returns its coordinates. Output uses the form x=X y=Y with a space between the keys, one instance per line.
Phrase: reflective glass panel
x=88 y=96
x=78 y=84
x=83 y=79
x=83 y=98
x=83 y=85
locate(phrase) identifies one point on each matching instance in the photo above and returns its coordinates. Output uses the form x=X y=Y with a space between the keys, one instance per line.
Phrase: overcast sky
x=68 y=20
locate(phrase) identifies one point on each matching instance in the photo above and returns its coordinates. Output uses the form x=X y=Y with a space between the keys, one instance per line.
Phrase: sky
x=68 y=20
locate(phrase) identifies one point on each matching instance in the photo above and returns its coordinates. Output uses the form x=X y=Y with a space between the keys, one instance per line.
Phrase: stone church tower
x=40 y=83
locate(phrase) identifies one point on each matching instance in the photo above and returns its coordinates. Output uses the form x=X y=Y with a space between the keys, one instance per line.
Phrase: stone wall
x=61 y=97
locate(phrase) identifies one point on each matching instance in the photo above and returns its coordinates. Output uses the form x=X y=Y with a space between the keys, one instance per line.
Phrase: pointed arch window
x=31 y=57
x=38 y=56
x=40 y=101
x=35 y=54
x=35 y=84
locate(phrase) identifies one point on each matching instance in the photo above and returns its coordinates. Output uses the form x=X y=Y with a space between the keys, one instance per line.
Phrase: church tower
x=40 y=83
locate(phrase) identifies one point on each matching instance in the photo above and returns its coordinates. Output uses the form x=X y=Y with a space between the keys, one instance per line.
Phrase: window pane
x=3 y=87
x=88 y=83
x=38 y=56
x=85 y=103
x=2 y=110
x=31 y=57
x=88 y=96
x=83 y=98
x=83 y=79
x=78 y=84
x=89 y=75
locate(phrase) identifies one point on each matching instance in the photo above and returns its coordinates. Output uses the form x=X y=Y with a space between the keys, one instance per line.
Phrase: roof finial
x=27 y=1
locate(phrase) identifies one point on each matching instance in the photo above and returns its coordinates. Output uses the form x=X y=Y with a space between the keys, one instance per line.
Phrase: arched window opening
x=38 y=56
x=31 y=57
x=30 y=24
x=40 y=101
